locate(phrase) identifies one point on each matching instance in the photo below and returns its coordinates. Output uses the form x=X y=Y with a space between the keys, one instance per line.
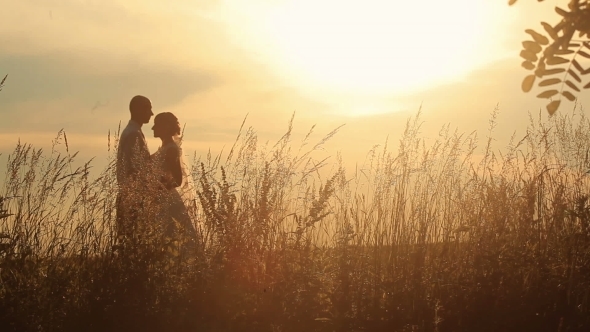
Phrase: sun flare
x=369 y=48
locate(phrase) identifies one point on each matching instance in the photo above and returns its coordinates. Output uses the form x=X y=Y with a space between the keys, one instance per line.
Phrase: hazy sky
x=368 y=64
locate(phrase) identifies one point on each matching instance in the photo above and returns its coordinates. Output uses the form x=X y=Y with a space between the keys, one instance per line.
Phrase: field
x=446 y=235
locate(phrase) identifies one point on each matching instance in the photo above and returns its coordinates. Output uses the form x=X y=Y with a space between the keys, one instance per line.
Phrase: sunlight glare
x=371 y=47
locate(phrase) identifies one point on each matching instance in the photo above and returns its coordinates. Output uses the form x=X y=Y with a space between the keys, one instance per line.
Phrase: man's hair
x=136 y=102
x=171 y=122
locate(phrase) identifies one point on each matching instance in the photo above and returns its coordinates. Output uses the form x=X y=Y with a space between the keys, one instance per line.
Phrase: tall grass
x=451 y=235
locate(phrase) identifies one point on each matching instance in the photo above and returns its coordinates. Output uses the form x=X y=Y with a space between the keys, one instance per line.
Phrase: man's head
x=141 y=109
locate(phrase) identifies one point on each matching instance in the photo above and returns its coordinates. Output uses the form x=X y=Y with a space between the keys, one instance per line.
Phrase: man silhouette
x=133 y=168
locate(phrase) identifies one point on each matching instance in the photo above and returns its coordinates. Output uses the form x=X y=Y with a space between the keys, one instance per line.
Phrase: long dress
x=179 y=230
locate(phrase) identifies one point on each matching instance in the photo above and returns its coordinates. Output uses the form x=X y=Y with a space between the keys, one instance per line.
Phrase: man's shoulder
x=132 y=127
x=130 y=138
x=131 y=130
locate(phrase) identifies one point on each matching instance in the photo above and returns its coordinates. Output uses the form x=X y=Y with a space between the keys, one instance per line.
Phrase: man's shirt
x=133 y=156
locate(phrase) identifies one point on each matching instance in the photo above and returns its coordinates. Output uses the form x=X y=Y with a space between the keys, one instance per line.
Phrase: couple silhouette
x=156 y=194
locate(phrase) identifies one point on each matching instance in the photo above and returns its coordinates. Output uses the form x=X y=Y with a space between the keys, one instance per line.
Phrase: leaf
x=574 y=75
x=528 y=55
x=550 y=50
x=572 y=85
x=539 y=38
x=562 y=12
x=584 y=54
x=557 y=60
x=562 y=24
x=528 y=65
x=563 y=52
x=577 y=65
x=587 y=86
x=553 y=71
x=531 y=46
x=547 y=94
x=550 y=30
x=553 y=106
x=569 y=95
x=550 y=81
x=568 y=33
x=511 y=2
x=541 y=68
x=527 y=83
x=571 y=5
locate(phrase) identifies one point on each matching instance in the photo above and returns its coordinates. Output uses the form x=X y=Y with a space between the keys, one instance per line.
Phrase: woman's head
x=166 y=125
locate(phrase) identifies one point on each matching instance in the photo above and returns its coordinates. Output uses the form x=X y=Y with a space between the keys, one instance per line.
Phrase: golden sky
x=368 y=64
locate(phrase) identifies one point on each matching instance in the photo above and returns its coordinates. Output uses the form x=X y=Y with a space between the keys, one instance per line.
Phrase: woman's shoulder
x=171 y=146
x=170 y=149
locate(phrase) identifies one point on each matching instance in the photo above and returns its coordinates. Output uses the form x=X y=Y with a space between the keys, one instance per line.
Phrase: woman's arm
x=172 y=166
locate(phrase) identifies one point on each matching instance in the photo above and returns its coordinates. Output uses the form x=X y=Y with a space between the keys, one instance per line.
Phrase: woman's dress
x=179 y=230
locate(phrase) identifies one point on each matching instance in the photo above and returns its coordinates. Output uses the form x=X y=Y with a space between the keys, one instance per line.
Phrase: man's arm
x=131 y=158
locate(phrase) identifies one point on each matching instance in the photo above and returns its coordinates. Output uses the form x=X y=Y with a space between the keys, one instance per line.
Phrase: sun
x=370 y=47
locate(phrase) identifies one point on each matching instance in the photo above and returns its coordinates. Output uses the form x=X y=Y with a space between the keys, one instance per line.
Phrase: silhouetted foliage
x=553 y=60
x=440 y=235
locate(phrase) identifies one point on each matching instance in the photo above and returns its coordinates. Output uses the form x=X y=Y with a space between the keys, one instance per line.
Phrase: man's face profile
x=141 y=109
x=145 y=111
